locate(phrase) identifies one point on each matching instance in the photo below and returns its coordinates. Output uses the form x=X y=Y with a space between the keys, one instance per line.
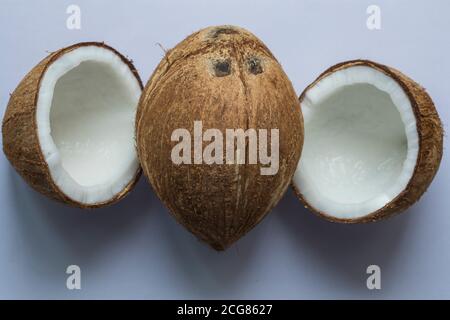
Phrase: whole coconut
x=226 y=78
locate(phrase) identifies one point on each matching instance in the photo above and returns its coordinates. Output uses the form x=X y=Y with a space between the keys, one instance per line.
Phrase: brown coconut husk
x=210 y=76
x=430 y=133
x=20 y=138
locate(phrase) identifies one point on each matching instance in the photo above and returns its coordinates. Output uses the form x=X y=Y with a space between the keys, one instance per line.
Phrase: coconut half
x=373 y=143
x=69 y=126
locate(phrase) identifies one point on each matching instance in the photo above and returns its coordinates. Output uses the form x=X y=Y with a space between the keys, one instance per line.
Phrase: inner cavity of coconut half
x=361 y=143
x=85 y=121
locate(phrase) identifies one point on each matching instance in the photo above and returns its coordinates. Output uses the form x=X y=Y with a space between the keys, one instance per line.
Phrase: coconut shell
x=227 y=78
x=20 y=137
x=430 y=133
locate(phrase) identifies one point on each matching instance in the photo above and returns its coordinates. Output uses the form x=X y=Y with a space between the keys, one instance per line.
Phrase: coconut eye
x=222 y=68
x=254 y=65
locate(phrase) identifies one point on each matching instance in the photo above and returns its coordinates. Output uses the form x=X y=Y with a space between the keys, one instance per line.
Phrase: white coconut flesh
x=361 y=143
x=85 y=120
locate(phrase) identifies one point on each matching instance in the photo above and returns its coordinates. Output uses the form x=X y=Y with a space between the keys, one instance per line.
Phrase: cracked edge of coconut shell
x=430 y=132
x=20 y=138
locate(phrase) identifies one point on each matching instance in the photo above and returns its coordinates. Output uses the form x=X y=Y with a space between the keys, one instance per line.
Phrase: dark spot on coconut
x=219 y=31
x=254 y=65
x=222 y=68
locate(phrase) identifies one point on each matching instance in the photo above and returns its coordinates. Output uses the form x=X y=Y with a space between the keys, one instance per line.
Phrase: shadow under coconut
x=55 y=233
x=205 y=269
x=343 y=252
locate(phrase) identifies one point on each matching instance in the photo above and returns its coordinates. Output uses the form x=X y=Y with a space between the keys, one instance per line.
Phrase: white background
x=136 y=250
